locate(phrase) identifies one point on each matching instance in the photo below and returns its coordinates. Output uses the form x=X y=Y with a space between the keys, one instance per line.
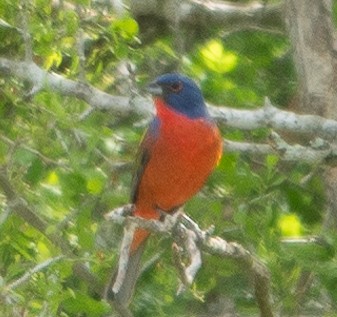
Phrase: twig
x=80 y=43
x=19 y=206
x=25 y=30
x=313 y=154
x=121 y=215
x=194 y=255
x=43 y=158
x=189 y=272
x=27 y=276
x=188 y=238
x=118 y=215
x=4 y=215
x=180 y=266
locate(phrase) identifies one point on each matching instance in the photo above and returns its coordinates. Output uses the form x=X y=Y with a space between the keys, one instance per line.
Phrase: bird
x=178 y=152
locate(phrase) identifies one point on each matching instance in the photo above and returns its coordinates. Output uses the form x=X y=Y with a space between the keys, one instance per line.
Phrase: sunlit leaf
x=127 y=26
x=43 y=250
x=290 y=225
x=217 y=58
x=54 y=59
x=52 y=178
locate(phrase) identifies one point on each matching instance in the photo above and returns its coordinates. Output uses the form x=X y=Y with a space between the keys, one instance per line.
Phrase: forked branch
x=194 y=240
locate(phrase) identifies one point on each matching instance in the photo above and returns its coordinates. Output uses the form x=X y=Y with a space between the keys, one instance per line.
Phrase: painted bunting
x=179 y=151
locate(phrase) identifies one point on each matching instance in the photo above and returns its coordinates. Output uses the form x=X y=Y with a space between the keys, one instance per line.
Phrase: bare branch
x=129 y=230
x=28 y=275
x=188 y=238
x=286 y=152
x=311 y=155
x=267 y=116
x=96 y=98
x=184 y=226
x=194 y=255
x=180 y=266
x=5 y=25
x=248 y=148
x=118 y=215
x=270 y=116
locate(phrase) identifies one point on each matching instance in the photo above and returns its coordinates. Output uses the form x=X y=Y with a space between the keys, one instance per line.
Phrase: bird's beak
x=155 y=89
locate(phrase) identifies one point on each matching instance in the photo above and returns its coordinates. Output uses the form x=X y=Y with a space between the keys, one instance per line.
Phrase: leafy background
x=73 y=170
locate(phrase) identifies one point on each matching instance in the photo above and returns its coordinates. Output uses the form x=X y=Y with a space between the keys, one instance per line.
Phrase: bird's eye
x=176 y=87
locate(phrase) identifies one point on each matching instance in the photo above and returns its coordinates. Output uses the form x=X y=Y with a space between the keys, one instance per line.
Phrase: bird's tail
x=125 y=292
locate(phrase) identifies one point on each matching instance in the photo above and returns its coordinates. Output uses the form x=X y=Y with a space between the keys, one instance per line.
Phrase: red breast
x=185 y=153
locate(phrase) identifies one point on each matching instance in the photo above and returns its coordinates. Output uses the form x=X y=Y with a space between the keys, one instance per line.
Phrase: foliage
x=71 y=170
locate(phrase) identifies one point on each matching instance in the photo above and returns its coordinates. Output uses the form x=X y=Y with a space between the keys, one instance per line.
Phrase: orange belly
x=181 y=160
x=184 y=154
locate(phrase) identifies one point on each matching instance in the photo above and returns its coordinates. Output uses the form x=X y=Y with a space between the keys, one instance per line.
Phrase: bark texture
x=313 y=37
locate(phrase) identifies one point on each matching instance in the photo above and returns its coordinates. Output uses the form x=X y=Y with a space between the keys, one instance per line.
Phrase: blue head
x=180 y=93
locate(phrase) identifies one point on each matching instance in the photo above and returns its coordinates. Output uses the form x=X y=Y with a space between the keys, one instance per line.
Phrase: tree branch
x=285 y=151
x=195 y=239
x=270 y=116
x=266 y=116
x=319 y=151
x=208 y=15
x=28 y=275
x=41 y=79
x=226 y=14
x=194 y=254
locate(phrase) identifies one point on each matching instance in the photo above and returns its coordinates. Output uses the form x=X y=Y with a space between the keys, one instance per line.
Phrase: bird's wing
x=144 y=155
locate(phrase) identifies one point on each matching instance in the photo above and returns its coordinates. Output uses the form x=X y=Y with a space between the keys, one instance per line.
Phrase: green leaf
x=83 y=304
x=53 y=59
x=271 y=161
x=290 y=225
x=127 y=27
x=96 y=181
x=309 y=251
x=73 y=185
x=35 y=172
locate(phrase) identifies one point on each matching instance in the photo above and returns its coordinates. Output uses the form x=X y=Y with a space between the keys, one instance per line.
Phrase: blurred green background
x=71 y=171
